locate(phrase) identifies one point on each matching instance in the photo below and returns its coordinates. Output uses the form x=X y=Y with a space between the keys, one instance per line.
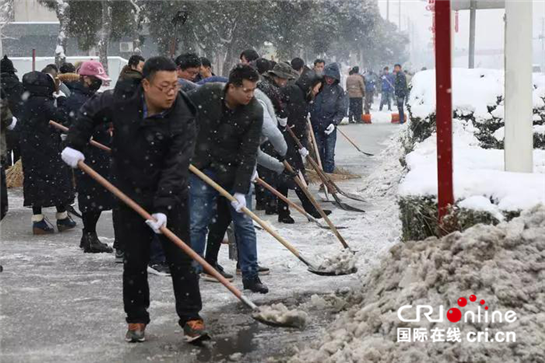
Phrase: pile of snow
x=480 y=182
x=503 y=265
x=340 y=264
x=280 y=314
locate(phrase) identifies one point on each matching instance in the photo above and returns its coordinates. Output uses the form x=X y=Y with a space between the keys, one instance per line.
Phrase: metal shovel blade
x=352 y=196
x=331 y=273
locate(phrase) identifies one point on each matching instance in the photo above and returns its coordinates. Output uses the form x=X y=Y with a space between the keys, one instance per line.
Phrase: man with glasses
x=188 y=67
x=153 y=142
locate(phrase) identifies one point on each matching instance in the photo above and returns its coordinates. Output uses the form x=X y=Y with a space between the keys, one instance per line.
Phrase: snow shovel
x=205 y=265
x=291 y=204
x=252 y=215
x=177 y=241
x=353 y=143
x=316 y=152
x=316 y=205
x=328 y=183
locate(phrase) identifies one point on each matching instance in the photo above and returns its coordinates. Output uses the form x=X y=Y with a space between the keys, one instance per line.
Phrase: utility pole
x=472 y=21
x=443 y=61
x=518 y=87
x=542 y=45
x=387 y=10
x=399 y=15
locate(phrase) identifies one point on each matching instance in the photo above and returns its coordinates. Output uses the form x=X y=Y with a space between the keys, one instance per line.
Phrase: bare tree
x=138 y=19
x=6 y=15
x=105 y=32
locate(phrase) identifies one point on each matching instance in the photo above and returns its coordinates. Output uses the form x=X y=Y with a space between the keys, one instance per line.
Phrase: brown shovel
x=291 y=204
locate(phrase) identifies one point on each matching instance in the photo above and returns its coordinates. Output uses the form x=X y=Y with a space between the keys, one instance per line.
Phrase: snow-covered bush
x=478 y=96
x=483 y=191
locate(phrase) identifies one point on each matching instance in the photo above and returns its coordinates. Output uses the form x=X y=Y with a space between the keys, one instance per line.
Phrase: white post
x=518 y=87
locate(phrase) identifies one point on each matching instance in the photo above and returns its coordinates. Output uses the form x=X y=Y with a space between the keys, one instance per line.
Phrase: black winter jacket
x=298 y=106
x=91 y=195
x=227 y=139
x=151 y=155
x=48 y=180
x=14 y=91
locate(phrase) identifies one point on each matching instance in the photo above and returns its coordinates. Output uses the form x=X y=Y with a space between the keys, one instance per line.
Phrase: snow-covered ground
x=60 y=305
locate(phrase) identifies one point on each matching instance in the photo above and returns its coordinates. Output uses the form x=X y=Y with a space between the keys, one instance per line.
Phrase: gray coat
x=270 y=132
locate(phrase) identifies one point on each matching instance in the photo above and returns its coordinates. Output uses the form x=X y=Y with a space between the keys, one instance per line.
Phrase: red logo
x=454 y=315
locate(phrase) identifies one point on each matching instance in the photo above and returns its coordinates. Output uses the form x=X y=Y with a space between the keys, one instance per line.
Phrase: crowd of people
x=363 y=88
x=161 y=116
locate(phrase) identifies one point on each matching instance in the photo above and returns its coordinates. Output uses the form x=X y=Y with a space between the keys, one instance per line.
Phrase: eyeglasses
x=167 y=89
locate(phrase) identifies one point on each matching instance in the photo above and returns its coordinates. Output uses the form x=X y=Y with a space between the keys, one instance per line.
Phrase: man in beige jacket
x=355 y=87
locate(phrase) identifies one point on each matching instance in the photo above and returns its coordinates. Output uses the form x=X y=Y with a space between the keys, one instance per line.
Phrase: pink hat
x=93 y=68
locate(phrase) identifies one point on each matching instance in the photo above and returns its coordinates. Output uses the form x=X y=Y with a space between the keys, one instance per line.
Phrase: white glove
x=72 y=156
x=59 y=94
x=13 y=123
x=159 y=220
x=255 y=175
x=240 y=203
x=282 y=121
x=330 y=129
x=64 y=137
x=304 y=152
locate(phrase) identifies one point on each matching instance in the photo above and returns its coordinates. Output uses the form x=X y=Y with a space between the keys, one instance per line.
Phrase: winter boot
x=136 y=333
x=40 y=225
x=159 y=269
x=64 y=222
x=222 y=272
x=255 y=285
x=195 y=331
x=91 y=244
x=285 y=218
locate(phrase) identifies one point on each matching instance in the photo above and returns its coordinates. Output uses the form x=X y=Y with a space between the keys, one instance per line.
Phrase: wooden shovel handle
x=168 y=233
x=317 y=206
x=248 y=212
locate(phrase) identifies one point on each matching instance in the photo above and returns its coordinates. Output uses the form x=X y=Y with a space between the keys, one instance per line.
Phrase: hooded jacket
x=331 y=104
x=14 y=91
x=298 y=96
x=48 y=180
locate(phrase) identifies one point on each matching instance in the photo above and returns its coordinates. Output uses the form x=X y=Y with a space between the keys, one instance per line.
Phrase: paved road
x=60 y=305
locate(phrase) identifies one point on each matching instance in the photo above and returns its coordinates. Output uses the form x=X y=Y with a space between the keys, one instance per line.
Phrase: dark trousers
x=283 y=208
x=135 y=236
x=356 y=109
x=400 y=108
x=90 y=220
x=216 y=231
x=326 y=148
x=262 y=196
x=368 y=101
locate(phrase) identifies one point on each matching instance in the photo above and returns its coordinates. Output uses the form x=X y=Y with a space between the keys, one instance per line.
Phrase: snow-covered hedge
x=477 y=100
x=483 y=191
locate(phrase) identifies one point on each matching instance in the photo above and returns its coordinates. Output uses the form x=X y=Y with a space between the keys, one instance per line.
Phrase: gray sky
x=490 y=26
